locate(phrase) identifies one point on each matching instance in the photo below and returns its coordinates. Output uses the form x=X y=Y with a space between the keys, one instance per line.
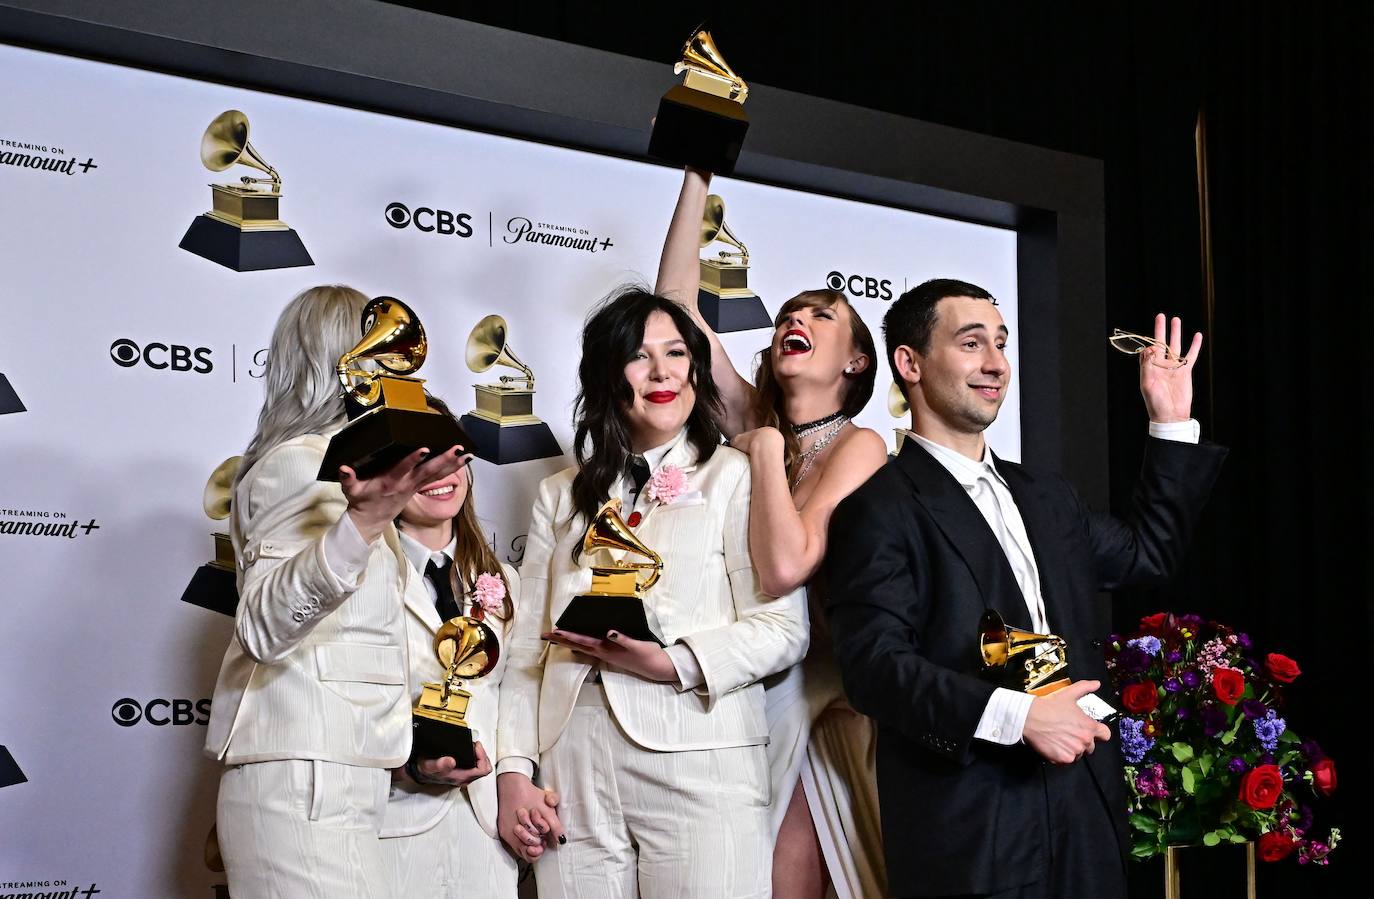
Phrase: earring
x=849 y=370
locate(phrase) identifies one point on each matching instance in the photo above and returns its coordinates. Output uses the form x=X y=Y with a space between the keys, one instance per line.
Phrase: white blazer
x=707 y=598
x=415 y=808
x=316 y=670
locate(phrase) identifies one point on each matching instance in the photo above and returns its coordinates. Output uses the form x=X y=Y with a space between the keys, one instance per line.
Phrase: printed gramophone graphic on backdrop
x=701 y=122
x=1031 y=663
x=214 y=586
x=388 y=411
x=503 y=428
x=242 y=230
x=9 y=400
x=467 y=649
x=724 y=297
x=616 y=600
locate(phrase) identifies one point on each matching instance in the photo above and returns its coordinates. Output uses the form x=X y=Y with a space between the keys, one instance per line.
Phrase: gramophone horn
x=472 y=643
x=225 y=143
x=700 y=53
x=487 y=347
x=897 y=406
x=609 y=531
x=713 y=227
x=393 y=338
x=219 y=489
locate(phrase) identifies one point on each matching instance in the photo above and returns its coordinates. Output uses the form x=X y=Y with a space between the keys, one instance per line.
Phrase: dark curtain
x=1284 y=381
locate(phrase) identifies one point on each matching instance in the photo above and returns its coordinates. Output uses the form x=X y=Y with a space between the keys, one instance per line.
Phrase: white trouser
x=655 y=825
x=454 y=859
x=303 y=829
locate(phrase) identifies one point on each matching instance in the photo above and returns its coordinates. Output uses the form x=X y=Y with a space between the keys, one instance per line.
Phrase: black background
x=1285 y=380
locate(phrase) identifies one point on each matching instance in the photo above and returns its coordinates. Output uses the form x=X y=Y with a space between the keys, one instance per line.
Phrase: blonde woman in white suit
x=657 y=754
x=311 y=710
x=439 y=831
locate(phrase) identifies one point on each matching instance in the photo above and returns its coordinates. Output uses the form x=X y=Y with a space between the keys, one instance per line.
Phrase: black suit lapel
x=955 y=514
x=1036 y=506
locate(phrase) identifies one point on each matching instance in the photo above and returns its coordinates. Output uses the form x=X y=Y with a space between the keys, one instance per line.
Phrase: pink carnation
x=489 y=592
x=666 y=484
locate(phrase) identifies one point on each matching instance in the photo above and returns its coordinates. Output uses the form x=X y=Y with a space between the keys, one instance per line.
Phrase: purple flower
x=1134 y=743
x=1302 y=820
x=1268 y=729
x=1174 y=656
x=1312 y=751
x=1172 y=685
x=1148 y=644
x=1267 y=759
x=1244 y=641
x=1192 y=622
x=1191 y=679
x=1150 y=782
x=1133 y=660
x=1253 y=708
x=1213 y=720
x=1183 y=713
x=1236 y=765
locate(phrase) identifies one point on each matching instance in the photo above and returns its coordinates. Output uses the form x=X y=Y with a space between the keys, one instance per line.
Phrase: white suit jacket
x=415 y=808
x=707 y=598
x=316 y=669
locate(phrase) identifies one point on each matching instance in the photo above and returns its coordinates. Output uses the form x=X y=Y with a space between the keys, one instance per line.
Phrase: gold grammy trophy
x=1030 y=663
x=723 y=296
x=242 y=230
x=388 y=411
x=701 y=122
x=9 y=400
x=897 y=407
x=616 y=600
x=504 y=427
x=468 y=649
x=214 y=586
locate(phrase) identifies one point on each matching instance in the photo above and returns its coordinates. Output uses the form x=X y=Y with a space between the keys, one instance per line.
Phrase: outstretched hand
x=1168 y=389
x=373 y=503
x=642 y=657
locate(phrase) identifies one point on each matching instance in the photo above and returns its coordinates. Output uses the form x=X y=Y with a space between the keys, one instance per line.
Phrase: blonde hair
x=302 y=392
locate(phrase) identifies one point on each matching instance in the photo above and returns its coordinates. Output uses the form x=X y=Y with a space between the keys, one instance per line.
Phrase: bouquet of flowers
x=1209 y=755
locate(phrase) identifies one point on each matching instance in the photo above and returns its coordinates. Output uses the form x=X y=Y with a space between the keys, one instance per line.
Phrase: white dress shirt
x=420 y=556
x=1004 y=718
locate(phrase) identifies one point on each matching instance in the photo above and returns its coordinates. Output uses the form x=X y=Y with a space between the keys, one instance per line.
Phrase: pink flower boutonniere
x=666 y=484
x=488 y=594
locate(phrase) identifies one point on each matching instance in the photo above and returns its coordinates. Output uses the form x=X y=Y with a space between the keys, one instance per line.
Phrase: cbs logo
x=161 y=712
x=860 y=286
x=435 y=221
x=175 y=357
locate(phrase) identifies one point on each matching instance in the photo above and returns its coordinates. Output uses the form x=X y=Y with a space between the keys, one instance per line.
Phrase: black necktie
x=639 y=474
x=439 y=577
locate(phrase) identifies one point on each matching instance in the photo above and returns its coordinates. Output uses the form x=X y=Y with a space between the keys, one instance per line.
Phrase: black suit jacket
x=911 y=567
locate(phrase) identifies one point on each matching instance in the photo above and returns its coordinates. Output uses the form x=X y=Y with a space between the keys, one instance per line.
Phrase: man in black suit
x=987 y=791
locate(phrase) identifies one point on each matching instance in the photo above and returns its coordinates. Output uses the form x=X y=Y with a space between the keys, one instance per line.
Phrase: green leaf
x=1142 y=850
x=1182 y=751
x=1239 y=838
x=1228 y=738
x=1210 y=838
x=1204 y=763
x=1144 y=823
x=1189 y=782
x=1289 y=737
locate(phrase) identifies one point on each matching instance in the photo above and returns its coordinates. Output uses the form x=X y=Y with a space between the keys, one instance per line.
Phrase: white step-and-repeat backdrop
x=138 y=365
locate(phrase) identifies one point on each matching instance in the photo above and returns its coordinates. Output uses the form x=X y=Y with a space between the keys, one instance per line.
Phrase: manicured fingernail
x=612 y=635
x=562 y=839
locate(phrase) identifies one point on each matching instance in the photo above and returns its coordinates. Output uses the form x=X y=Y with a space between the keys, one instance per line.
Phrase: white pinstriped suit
x=442 y=841
x=311 y=706
x=664 y=792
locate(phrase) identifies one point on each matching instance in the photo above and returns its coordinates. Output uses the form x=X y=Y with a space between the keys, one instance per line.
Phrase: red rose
x=1228 y=684
x=1140 y=699
x=1324 y=777
x=1274 y=846
x=1261 y=786
x=1154 y=624
x=1281 y=668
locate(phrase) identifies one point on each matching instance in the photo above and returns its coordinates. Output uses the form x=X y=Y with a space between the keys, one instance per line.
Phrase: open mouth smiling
x=795 y=342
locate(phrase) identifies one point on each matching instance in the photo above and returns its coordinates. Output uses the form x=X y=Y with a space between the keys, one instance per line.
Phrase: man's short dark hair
x=910 y=320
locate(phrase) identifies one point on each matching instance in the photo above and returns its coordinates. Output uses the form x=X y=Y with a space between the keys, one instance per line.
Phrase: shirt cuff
x=689 y=673
x=346 y=554
x=1180 y=431
x=1004 y=718
x=516 y=764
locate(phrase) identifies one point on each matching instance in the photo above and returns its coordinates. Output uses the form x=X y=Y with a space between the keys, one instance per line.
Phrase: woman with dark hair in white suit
x=311 y=709
x=657 y=752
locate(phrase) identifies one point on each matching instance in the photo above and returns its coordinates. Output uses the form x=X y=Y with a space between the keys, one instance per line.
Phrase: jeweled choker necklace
x=811 y=427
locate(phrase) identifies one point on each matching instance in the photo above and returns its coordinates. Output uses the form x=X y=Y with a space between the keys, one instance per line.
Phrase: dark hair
x=601 y=439
x=472 y=554
x=911 y=319
x=768 y=403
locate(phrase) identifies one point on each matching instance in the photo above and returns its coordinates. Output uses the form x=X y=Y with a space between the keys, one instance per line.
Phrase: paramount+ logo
x=161 y=712
x=860 y=285
x=162 y=356
x=429 y=220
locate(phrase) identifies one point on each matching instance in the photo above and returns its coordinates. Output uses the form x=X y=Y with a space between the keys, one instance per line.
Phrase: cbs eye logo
x=128 y=712
x=431 y=221
x=161 y=356
x=860 y=286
